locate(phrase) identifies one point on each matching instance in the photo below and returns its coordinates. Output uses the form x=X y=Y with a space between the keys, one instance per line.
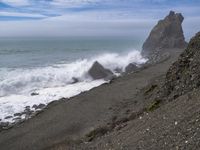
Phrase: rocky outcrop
x=168 y=33
x=97 y=71
x=131 y=68
x=184 y=75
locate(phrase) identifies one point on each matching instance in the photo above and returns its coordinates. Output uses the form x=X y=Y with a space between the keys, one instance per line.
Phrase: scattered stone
x=27 y=112
x=27 y=107
x=176 y=123
x=168 y=33
x=34 y=94
x=97 y=71
x=17 y=114
x=17 y=120
x=131 y=68
x=4 y=124
x=34 y=106
x=40 y=106
x=8 y=117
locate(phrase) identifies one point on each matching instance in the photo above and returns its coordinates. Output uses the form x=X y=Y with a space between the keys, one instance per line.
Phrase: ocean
x=47 y=66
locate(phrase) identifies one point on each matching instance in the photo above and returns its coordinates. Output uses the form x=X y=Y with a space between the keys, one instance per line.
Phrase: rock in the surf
x=75 y=80
x=34 y=94
x=40 y=106
x=3 y=125
x=131 y=68
x=97 y=71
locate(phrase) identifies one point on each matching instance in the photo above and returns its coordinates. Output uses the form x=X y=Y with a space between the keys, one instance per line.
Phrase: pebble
x=176 y=123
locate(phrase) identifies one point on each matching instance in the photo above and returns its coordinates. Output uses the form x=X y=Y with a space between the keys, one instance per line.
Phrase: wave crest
x=19 y=81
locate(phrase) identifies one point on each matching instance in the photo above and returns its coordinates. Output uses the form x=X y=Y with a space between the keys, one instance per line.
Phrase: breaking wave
x=54 y=82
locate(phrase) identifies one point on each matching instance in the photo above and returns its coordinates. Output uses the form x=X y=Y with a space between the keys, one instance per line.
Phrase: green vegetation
x=154 y=105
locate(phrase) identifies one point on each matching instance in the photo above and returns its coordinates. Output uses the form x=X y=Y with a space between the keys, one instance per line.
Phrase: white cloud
x=65 y=26
x=17 y=14
x=16 y=2
x=73 y=2
x=113 y=21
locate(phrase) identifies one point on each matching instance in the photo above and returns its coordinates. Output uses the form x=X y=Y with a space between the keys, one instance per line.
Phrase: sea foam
x=54 y=82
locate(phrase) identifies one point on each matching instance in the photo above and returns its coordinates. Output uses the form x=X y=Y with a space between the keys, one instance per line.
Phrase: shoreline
x=75 y=118
x=25 y=91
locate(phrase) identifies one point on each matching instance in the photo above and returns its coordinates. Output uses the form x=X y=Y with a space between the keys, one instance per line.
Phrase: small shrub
x=154 y=105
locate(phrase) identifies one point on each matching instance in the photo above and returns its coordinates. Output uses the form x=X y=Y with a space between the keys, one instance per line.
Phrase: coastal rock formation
x=130 y=68
x=184 y=75
x=97 y=71
x=75 y=80
x=168 y=33
x=34 y=94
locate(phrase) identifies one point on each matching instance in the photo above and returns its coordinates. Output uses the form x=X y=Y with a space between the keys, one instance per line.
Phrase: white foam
x=54 y=82
x=16 y=103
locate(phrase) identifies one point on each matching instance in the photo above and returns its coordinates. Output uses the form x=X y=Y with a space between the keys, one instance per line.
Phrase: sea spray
x=54 y=82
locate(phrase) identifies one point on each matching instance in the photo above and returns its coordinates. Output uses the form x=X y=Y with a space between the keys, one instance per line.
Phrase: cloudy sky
x=92 y=17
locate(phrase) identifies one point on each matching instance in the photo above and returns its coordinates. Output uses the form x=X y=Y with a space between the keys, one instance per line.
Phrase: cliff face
x=168 y=33
x=184 y=75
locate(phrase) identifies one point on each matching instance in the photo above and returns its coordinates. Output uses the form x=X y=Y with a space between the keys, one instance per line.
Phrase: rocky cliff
x=184 y=75
x=168 y=33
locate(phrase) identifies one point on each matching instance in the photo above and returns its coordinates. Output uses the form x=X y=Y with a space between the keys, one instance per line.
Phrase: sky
x=37 y=18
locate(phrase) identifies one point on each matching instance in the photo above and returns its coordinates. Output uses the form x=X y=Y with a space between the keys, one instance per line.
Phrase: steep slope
x=184 y=75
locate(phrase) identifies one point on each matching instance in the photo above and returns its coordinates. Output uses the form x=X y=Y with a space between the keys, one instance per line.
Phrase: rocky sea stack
x=168 y=33
x=184 y=75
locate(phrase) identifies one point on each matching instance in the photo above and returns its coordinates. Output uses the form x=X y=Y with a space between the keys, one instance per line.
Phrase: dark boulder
x=40 y=106
x=75 y=80
x=168 y=33
x=35 y=106
x=97 y=71
x=4 y=125
x=184 y=75
x=27 y=112
x=8 y=117
x=34 y=94
x=131 y=68
x=17 y=114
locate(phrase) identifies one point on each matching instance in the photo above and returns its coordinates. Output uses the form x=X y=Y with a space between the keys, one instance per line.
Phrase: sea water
x=48 y=66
